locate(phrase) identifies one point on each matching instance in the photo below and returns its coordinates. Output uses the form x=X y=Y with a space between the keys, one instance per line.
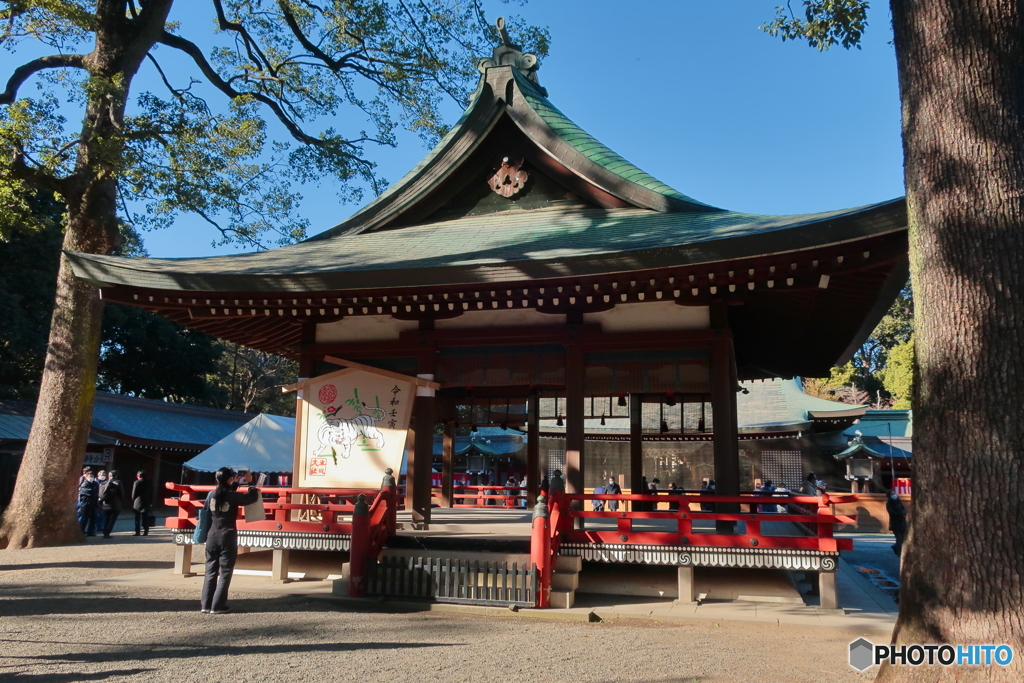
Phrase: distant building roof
x=889 y=432
x=136 y=421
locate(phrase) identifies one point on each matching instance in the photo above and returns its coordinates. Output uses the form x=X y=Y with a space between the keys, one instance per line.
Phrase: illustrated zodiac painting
x=337 y=435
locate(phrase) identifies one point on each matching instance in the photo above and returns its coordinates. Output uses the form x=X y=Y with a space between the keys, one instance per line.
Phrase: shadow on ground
x=98 y=564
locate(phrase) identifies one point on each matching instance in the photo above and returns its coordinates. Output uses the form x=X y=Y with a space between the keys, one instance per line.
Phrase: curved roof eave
x=515 y=248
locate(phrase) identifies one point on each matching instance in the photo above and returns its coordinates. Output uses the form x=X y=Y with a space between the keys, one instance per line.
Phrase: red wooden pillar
x=540 y=554
x=532 y=450
x=725 y=427
x=574 y=411
x=360 y=548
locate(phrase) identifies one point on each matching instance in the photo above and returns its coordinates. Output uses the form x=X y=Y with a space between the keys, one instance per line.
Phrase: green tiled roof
x=514 y=246
x=590 y=147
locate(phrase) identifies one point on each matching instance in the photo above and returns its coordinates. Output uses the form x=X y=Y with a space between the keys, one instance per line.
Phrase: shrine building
x=539 y=277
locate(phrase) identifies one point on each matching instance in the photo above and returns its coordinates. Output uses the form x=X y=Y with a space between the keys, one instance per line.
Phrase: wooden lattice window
x=784 y=468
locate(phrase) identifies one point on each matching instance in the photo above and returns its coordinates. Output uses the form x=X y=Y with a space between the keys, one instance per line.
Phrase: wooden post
x=183 y=560
x=421 y=456
x=279 y=567
x=574 y=427
x=725 y=431
x=360 y=548
x=448 y=465
x=686 y=589
x=636 y=445
x=532 y=450
x=827 y=589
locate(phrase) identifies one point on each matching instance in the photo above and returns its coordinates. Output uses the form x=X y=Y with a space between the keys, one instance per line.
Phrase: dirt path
x=53 y=628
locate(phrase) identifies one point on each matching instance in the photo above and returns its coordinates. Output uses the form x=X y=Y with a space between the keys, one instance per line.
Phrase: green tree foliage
x=28 y=274
x=895 y=328
x=898 y=377
x=825 y=23
x=251 y=381
x=304 y=67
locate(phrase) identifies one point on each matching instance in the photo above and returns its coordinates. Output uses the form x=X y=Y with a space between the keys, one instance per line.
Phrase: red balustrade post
x=540 y=551
x=391 y=498
x=359 y=552
x=826 y=541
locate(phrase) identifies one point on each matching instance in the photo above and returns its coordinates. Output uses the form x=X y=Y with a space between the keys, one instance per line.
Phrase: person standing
x=810 y=487
x=142 y=502
x=111 y=501
x=222 y=540
x=897 y=520
x=88 y=498
x=101 y=517
x=766 y=489
x=613 y=489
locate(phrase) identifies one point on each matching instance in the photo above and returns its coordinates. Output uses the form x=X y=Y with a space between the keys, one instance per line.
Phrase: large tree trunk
x=42 y=510
x=961 y=71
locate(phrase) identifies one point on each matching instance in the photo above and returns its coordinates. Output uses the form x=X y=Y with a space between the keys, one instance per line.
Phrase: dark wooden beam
x=574 y=424
x=532 y=450
x=725 y=428
x=448 y=465
x=636 y=444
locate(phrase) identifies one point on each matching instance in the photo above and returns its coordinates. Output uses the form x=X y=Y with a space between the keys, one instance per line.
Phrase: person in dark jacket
x=707 y=489
x=111 y=501
x=222 y=540
x=897 y=520
x=142 y=502
x=613 y=489
x=88 y=500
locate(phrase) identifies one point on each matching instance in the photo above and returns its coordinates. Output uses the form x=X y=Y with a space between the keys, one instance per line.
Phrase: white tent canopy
x=265 y=443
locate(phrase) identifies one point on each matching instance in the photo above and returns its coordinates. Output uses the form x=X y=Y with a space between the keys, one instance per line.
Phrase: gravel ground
x=53 y=628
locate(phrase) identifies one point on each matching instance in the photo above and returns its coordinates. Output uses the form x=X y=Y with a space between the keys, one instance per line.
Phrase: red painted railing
x=811 y=512
x=373 y=516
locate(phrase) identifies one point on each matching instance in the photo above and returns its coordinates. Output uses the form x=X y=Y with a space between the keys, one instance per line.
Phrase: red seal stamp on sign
x=328 y=393
x=318 y=467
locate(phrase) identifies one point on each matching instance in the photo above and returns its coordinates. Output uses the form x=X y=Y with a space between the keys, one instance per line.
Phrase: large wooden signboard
x=351 y=427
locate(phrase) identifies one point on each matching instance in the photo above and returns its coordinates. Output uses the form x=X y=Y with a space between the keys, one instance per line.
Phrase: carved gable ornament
x=510 y=176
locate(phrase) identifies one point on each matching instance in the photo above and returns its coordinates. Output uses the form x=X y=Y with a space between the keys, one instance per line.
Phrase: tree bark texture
x=961 y=73
x=42 y=510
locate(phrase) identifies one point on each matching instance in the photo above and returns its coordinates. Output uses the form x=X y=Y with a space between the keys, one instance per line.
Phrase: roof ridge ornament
x=510 y=54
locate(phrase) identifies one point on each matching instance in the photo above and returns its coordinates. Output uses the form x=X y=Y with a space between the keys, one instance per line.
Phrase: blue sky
x=694 y=94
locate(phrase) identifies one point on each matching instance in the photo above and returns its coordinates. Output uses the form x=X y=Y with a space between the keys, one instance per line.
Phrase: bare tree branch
x=22 y=73
x=193 y=51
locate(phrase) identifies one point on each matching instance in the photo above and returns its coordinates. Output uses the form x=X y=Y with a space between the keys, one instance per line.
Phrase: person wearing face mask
x=897 y=520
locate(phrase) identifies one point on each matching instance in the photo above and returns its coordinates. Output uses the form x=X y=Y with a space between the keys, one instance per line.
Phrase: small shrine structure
x=531 y=272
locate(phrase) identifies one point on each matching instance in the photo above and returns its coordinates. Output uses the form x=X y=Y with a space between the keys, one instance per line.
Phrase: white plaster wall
x=657 y=316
